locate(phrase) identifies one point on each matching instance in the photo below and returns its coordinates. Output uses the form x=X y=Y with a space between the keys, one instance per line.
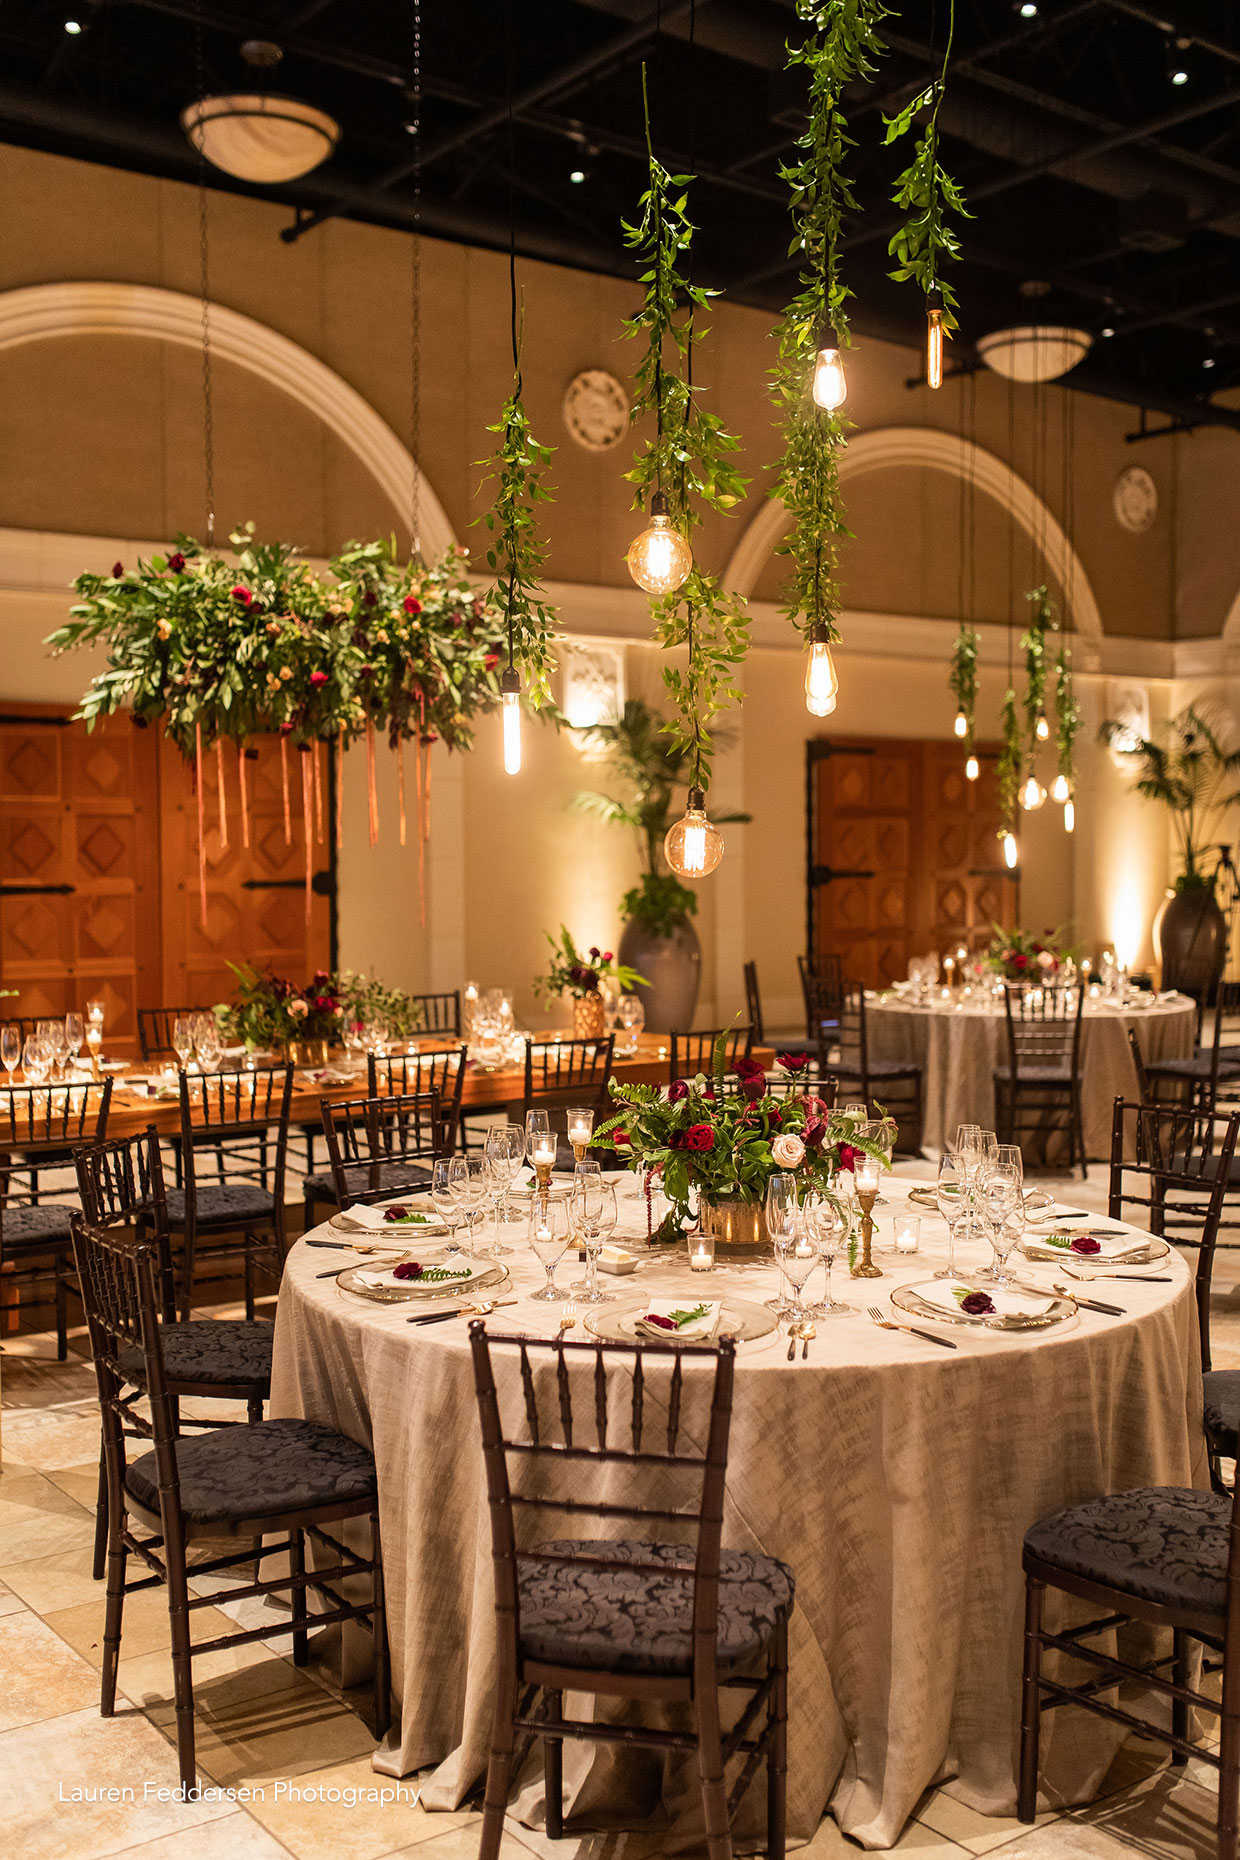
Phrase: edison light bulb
x=1060 y=791
x=1042 y=728
x=693 y=847
x=1011 y=851
x=961 y=725
x=972 y=769
x=830 y=388
x=934 y=339
x=821 y=683
x=660 y=559
x=510 y=685
x=1069 y=815
x=1032 y=793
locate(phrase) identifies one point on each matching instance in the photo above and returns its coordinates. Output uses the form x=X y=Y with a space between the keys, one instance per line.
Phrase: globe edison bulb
x=1060 y=791
x=693 y=847
x=821 y=681
x=961 y=725
x=1032 y=793
x=510 y=687
x=660 y=559
x=1011 y=851
x=830 y=389
x=972 y=769
x=934 y=339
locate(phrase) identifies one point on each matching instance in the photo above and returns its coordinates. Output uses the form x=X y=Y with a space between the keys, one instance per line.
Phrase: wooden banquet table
x=896 y=1478
x=958 y=1044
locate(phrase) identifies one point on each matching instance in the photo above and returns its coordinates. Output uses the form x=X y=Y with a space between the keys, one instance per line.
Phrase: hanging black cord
x=684 y=498
x=204 y=287
x=510 y=540
x=415 y=283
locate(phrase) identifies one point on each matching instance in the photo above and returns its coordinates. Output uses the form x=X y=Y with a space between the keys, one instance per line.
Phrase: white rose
x=298 y=1009
x=1047 y=959
x=788 y=1150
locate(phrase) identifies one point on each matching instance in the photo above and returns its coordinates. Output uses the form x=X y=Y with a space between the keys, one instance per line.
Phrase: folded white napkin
x=1111 y=1247
x=385 y=1276
x=699 y=1331
x=943 y=1294
x=373 y=1220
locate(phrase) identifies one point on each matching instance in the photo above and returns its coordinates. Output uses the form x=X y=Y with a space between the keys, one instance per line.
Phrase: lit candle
x=865 y=1174
x=907 y=1232
x=580 y=1124
x=544 y=1149
x=702 y=1255
x=948 y=965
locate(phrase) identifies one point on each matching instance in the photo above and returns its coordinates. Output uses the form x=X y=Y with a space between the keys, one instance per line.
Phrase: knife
x=1142 y=1278
x=928 y=1336
x=1096 y=1304
x=441 y=1317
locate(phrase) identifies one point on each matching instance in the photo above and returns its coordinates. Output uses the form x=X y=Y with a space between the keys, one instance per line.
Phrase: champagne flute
x=74 y=1035
x=11 y=1048
x=781 y=1203
x=950 y=1191
x=550 y=1228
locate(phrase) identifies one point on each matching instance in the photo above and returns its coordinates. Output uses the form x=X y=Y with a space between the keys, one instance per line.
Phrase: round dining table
x=958 y=1039
x=896 y=1477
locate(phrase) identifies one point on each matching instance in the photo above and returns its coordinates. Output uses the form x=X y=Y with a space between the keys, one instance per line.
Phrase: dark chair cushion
x=879 y=1069
x=1199 y=1068
x=233 y=1352
x=1035 y=1075
x=1222 y=1393
x=258 y=1469
x=320 y=1187
x=395 y=1178
x=35 y=1230
x=1165 y=1544
x=223 y=1204
x=622 y=1622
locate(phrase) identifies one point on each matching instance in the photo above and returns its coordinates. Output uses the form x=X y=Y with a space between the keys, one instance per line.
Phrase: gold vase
x=310 y=1055
x=589 y=1017
x=738 y=1227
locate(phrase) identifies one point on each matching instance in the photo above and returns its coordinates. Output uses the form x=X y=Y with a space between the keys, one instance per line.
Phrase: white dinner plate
x=1014 y=1309
x=377 y=1284
x=737 y=1318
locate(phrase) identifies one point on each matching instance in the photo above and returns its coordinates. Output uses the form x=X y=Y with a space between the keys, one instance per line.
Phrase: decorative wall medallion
x=593 y=688
x=1135 y=498
x=596 y=409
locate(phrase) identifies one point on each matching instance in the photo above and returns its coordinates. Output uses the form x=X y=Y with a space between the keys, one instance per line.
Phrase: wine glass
x=75 y=1033
x=183 y=1039
x=829 y=1223
x=504 y=1150
x=856 y=1112
x=950 y=1191
x=632 y=1017
x=1002 y=1191
x=36 y=1059
x=537 y=1124
x=797 y=1251
x=52 y=1034
x=208 y=1042
x=550 y=1229
x=468 y=1181
x=447 y=1205
x=11 y=1048
x=592 y=1205
x=781 y=1206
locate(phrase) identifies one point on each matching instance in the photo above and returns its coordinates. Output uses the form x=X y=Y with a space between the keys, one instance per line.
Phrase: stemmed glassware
x=505 y=1150
x=632 y=1016
x=781 y=1208
x=75 y=1032
x=592 y=1205
x=36 y=1059
x=828 y=1222
x=797 y=1252
x=550 y=1229
x=468 y=1181
x=183 y=1039
x=52 y=1034
x=951 y=1191
x=1002 y=1197
x=447 y=1205
x=11 y=1048
x=207 y=1041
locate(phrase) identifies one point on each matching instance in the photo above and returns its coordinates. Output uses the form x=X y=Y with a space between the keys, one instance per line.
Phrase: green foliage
x=571 y=973
x=518 y=552
x=660 y=903
x=268 y=1010
x=925 y=193
x=1042 y=620
x=1067 y=716
x=367 y=1002
x=963 y=676
x=1009 y=764
x=1189 y=774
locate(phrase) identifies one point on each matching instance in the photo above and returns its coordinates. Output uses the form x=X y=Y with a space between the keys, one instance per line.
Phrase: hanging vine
x=1009 y=765
x=840 y=49
x=688 y=460
x=1067 y=718
x=518 y=552
x=1043 y=620
x=926 y=194
x=963 y=677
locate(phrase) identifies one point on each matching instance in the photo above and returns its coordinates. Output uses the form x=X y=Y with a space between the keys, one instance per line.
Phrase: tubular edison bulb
x=510 y=685
x=693 y=847
x=1042 y=728
x=972 y=769
x=1011 y=851
x=830 y=387
x=934 y=339
x=821 y=683
x=1060 y=791
x=961 y=725
x=1069 y=815
x=660 y=558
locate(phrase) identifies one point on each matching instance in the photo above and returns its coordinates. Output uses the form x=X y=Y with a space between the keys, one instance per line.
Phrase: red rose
x=1020 y=962
x=118 y=569
x=318 y=678
x=369 y=597
x=491 y=661
x=677 y=1090
x=176 y=562
x=848 y=1156
x=606 y=955
x=286 y=729
x=699 y=1137
x=411 y=606
x=619 y=1137
x=243 y=595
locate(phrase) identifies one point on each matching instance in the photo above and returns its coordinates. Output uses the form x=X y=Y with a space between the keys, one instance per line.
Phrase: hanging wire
x=971 y=381
x=962 y=512
x=513 y=316
x=693 y=125
x=204 y=287
x=415 y=282
x=1011 y=440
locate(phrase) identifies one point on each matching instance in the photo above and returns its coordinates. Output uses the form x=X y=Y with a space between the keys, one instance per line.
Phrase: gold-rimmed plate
x=477 y=1278
x=1016 y=1309
x=737 y=1318
x=1145 y=1249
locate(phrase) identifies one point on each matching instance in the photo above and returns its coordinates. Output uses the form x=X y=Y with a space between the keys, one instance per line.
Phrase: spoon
x=808 y=1333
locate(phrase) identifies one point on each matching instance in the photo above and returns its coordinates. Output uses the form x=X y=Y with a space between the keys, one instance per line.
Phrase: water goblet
x=593 y=1214
x=781 y=1205
x=36 y=1059
x=1004 y=1235
x=52 y=1033
x=11 y=1048
x=550 y=1229
x=632 y=1016
x=183 y=1039
x=797 y=1250
x=208 y=1042
x=505 y=1148
x=950 y=1194
x=468 y=1182
x=447 y=1205
x=829 y=1223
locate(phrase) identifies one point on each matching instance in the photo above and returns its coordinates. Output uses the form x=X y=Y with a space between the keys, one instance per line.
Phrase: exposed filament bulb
x=510 y=686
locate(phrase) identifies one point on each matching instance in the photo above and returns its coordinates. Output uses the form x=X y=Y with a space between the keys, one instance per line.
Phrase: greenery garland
x=1067 y=718
x=840 y=50
x=1042 y=620
x=688 y=460
x=925 y=192
x=517 y=555
x=963 y=677
x=1009 y=765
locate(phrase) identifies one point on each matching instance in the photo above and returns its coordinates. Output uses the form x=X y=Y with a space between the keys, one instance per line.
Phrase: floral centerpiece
x=716 y=1145
x=581 y=977
x=1018 y=957
x=367 y=1002
x=271 y=1011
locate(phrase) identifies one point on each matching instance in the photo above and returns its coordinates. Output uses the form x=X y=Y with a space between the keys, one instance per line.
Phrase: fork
x=568 y=1317
x=910 y=1330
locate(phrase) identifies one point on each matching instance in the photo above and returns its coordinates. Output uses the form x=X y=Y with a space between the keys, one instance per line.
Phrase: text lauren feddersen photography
x=278 y=1789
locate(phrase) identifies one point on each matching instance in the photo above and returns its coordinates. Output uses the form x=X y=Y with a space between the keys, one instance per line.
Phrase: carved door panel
x=256 y=907
x=79 y=914
x=968 y=888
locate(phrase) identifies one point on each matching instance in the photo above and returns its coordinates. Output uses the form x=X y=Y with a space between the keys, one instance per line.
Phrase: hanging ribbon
x=319 y=831
x=288 y=818
x=339 y=791
x=400 y=786
x=372 y=799
x=425 y=824
x=202 y=840
x=307 y=824
x=221 y=792
x=417 y=789
x=245 y=798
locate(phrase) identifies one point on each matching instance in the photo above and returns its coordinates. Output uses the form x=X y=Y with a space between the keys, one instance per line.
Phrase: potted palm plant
x=658 y=938
x=1190 y=774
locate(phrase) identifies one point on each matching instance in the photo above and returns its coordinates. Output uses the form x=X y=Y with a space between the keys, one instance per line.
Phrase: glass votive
x=907 y=1228
x=579 y=1124
x=702 y=1252
x=543 y=1149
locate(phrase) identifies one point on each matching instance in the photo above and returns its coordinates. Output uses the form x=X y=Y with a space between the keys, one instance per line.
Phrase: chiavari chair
x=155 y=1029
x=1042 y=1077
x=822 y=990
x=694 y=1052
x=892 y=1084
x=229 y=1488
x=1195 y=1080
x=439 y=1013
x=380 y=1147
x=672 y=1620
x=399 y=1075
x=234 y=1145
x=39 y=1126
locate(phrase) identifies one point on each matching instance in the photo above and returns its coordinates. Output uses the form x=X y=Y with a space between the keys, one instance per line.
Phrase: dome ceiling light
x=259 y=137
x=1034 y=351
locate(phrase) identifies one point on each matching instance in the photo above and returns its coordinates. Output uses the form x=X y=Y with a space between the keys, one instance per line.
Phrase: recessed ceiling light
x=577 y=176
x=1107 y=333
x=73 y=27
x=1028 y=9
x=1179 y=75
x=1208 y=362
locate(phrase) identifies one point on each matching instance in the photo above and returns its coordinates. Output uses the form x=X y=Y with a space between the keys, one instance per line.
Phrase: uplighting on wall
x=593 y=690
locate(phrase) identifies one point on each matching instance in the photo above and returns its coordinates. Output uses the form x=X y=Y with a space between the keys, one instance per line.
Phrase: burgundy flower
x=848 y=1156
x=676 y=1091
x=1085 y=1243
x=1020 y=961
x=480 y=607
x=619 y=1138
x=977 y=1304
x=176 y=562
x=408 y=1269
x=792 y=1062
x=243 y=595
x=814 y=1132
x=369 y=598
x=594 y=952
x=411 y=606
x=606 y=955
x=118 y=569
x=491 y=661
x=699 y=1137
x=318 y=678
x=753 y=1089
x=285 y=729
x=657 y=1319
x=395 y=1213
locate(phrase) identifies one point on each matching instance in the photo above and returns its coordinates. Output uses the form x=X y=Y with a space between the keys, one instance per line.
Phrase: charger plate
x=1058 y=1311
x=483 y=1277
x=737 y=1318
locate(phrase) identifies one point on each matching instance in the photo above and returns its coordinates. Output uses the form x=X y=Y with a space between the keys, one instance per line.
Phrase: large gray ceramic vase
x=1192 y=936
x=672 y=966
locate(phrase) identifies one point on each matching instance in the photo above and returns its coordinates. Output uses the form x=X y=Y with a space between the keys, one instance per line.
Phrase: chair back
x=43 y=1121
x=695 y=1052
x=122 y=1180
x=439 y=1013
x=369 y=1139
x=1174 y=1165
x=1138 y=1065
x=852 y=1040
x=564 y=1072
x=155 y=1029
x=1043 y=1027
x=822 y=989
x=417 y=1073
x=234 y=1129
x=753 y=1002
x=117 y=1272
x=547 y=1443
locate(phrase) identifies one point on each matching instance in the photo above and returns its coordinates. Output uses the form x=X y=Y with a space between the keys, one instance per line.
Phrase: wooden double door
x=904 y=853
x=99 y=890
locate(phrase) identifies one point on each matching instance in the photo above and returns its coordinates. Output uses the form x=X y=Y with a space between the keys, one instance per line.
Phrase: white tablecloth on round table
x=895 y=1477
x=958 y=1045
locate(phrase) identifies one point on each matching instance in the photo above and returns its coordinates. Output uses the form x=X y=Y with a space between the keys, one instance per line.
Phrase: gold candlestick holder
x=542 y=1171
x=865 y=1267
x=579 y=1150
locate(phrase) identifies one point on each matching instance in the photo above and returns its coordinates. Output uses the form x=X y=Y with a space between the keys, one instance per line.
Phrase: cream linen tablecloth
x=896 y=1478
x=959 y=1044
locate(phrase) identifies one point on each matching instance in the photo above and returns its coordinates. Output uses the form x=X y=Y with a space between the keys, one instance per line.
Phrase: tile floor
x=264 y=1723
